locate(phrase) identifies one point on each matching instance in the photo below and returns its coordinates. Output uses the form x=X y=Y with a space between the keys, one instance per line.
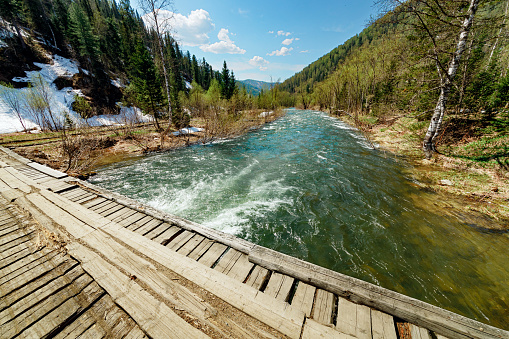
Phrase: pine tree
x=11 y=10
x=147 y=83
x=81 y=34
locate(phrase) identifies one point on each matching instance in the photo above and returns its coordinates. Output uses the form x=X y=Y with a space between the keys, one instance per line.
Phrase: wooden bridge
x=79 y=261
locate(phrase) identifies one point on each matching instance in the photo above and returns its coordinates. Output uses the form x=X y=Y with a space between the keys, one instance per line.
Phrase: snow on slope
x=61 y=100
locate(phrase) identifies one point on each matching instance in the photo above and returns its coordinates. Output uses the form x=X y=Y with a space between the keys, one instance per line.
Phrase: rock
x=445 y=182
x=494 y=189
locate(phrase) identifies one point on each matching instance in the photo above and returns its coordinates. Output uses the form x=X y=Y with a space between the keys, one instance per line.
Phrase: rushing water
x=308 y=185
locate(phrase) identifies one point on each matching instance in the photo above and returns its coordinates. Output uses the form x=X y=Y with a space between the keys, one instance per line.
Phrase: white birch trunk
x=438 y=114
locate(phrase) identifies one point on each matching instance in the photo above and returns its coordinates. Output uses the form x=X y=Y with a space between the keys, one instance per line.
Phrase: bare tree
x=12 y=98
x=161 y=25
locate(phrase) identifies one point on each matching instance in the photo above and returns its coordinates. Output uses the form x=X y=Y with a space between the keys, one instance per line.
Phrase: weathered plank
x=12 y=181
x=279 y=286
x=412 y=310
x=324 y=304
x=213 y=253
x=94 y=202
x=240 y=269
x=257 y=277
x=201 y=249
x=24 y=300
x=21 y=267
x=419 y=332
x=166 y=235
x=189 y=246
x=136 y=220
x=27 y=283
x=354 y=319
x=279 y=315
x=144 y=271
x=304 y=297
x=149 y=226
x=122 y=214
x=76 y=210
x=180 y=239
x=153 y=316
x=101 y=205
x=50 y=323
x=74 y=226
x=47 y=170
x=155 y=231
x=313 y=330
x=112 y=210
x=87 y=198
x=382 y=325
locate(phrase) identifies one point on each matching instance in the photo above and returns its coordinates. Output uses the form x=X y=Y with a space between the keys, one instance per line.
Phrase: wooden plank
x=147 y=273
x=419 y=332
x=23 y=249
x=87 y=198
x=134 y=221
x=201 y=249
x=51 y=322
x=324 y=304
x=47 y=170
x=304 y=297
x=30 y=281
x=241 y=268
x=14 y=155
x=37 y=307
x=153 y=316
x=234 y=264
x=14 y=239
x=23 y=300
x=354 y=319
x=94 y=202
x=124 y=213
x=279 y=315
x=213 y=253
x=180 y=239
x=12 y=181
x=135 y=333
x=166 y=235
x=279 y=286
x=75 y=192
x=313 y=329
x=101 y=204
x=191 y=244
x=404 y=307
x=257 y=277
x=155 y=231
x=76 y=210
x=111 y=206
x=28 y=264
x=111 y=210
x=148 y=226
x=382 y=325
x=96 y=313
x=74 y=226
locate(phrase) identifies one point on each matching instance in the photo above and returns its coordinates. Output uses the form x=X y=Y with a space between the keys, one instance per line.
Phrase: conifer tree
x=81 y=34
x=149 y=94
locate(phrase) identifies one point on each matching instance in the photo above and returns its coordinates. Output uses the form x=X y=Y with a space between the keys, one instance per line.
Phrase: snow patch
x=189 y=130
x=265 y=114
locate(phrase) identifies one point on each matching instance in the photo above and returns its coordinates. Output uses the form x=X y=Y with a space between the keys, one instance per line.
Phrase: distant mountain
x=254 y=86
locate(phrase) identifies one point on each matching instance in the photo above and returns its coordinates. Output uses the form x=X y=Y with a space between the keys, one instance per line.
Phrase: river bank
x=476 y=191
x=99 y=146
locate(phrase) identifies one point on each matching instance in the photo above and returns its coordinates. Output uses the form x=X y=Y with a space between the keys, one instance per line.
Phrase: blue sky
x=266 y=38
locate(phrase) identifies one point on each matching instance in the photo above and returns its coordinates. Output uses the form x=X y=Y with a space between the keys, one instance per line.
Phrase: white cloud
x=304 y=51
x=287 y=42
x=258 y=61
x=224 y=45
x=271 y=32
x=191 y=30
x=243 y=12
x=284 y=51
x=283 y=33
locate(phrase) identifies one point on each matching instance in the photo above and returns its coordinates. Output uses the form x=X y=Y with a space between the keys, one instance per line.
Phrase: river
x=308 y=185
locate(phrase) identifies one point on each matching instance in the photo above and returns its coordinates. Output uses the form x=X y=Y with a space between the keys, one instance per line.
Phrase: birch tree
x=444 y=28
x=154 y=9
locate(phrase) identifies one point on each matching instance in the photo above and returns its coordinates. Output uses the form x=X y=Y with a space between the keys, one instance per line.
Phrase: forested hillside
x=421 y=59
x=111 y=43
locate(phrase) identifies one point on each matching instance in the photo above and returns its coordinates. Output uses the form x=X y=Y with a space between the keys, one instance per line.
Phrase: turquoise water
x=309 y=185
